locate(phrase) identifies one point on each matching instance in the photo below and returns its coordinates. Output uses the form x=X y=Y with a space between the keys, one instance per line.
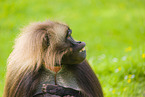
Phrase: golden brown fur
x=39 y=43
x=30 y=51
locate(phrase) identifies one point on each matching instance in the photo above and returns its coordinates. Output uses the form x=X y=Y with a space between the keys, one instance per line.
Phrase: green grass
x=113 y=30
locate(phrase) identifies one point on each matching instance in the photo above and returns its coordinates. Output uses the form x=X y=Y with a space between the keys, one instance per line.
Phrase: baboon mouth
x=79 y=47
x=82 y=50
x=77 y=55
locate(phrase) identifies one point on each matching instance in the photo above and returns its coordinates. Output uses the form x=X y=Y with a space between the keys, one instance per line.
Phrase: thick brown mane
x=31 y=50
x=38 y=49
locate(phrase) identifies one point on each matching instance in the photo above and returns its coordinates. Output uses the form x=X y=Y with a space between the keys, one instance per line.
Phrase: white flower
x=110 y=89
x=116 y=70
x=133 y=76
x=124 y=58
x=115 y=60
x=126 y=77
x=118 y=93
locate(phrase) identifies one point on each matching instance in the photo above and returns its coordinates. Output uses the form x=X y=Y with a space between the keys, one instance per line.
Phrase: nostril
x=79 y=42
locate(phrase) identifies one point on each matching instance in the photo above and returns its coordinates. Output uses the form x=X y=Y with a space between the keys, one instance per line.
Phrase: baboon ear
x=45 y=42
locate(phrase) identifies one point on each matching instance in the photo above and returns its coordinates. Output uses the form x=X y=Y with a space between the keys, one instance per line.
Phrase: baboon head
x=53 y=44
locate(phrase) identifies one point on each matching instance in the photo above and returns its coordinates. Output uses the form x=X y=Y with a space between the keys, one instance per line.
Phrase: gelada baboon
x=47 y=62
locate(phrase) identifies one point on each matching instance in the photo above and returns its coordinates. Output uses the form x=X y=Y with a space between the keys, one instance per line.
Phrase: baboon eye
x=69 y=31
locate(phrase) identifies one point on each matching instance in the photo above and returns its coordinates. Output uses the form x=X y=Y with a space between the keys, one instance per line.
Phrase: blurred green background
x=113 y=30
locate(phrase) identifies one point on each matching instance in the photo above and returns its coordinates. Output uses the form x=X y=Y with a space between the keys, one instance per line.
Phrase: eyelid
x=69 y=32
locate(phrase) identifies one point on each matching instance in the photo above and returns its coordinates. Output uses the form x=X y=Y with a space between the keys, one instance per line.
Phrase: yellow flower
x=143 y=56
x=128 y=49
x=119 y=68
x=129 y=80
x=129 y=76
x=124 y=88
x=113 y=91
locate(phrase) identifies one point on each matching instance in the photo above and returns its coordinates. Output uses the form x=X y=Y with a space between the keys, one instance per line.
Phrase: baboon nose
x=78 y=41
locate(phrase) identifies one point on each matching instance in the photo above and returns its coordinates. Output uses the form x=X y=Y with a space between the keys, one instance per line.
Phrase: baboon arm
x=87 y=80
x=57 y=91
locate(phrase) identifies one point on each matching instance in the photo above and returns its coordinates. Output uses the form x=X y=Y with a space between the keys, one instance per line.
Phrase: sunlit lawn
x=113 y=30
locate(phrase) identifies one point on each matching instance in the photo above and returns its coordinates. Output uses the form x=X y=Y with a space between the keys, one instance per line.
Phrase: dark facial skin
x=77 y=55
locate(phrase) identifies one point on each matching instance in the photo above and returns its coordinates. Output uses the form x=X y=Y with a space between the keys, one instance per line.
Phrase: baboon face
x=78 y=52
x=60 y=40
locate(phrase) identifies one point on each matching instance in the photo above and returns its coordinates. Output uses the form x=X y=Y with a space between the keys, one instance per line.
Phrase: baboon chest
x=63 y=78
